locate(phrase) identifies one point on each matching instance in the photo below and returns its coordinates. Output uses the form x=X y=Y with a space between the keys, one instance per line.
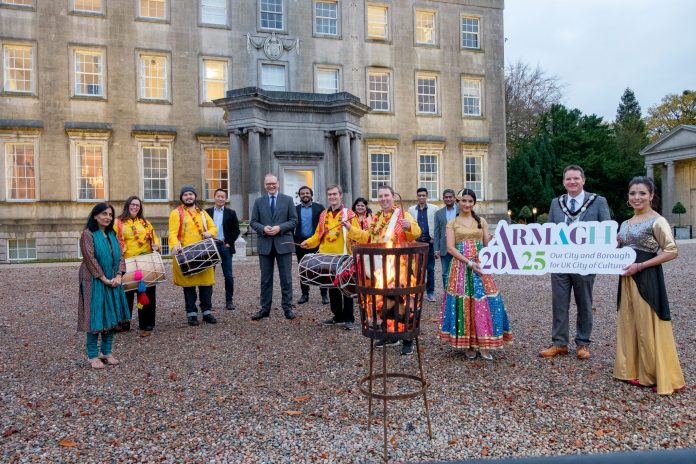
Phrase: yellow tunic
x=136 y=236
x=190 y=233
x=358 y=235
x=332 y=241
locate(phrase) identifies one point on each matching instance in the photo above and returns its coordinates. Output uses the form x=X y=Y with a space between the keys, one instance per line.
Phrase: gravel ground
x=285 y=391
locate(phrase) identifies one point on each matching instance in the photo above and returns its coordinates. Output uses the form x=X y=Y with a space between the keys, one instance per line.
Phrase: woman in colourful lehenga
x=473 y=314
x=646 y=354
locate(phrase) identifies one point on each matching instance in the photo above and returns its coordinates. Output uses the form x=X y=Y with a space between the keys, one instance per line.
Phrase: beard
x=189 y=202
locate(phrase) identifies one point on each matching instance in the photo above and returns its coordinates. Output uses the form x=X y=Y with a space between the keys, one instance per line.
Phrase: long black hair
x=650 y=184
x=469 y=192
x=125 y=214
x=368 y=211
x=92 y=223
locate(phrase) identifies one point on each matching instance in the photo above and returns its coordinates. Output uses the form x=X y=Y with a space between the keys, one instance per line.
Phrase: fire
x=391 y=308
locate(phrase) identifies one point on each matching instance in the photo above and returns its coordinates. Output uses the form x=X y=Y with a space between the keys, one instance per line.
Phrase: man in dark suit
x=308 y=213
x=274 y=218
x=227 y=232
x=575 y=205
x=442 y=217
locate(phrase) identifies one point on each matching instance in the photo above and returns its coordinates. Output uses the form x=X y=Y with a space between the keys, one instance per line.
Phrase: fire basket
x=390 y=280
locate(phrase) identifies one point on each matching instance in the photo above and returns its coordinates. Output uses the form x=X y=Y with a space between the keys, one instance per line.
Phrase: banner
x=535 y=249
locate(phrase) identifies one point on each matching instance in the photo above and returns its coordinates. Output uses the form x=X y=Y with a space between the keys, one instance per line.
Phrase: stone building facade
x=103 y=99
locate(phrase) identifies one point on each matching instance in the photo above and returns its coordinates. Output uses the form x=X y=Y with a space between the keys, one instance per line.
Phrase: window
x=471 y=97
x=271 y=13
x=89 y=73
x=155 y=172
x=473 y=170
x=380 y=168
x=214 y=12
x=153 y=74
x=326 y=17
x=273 y=77
x=164 y=244
x=327 y=80
x=18 y=68
x=88 y=6
x=425 y=27
x=379 y=90
x=153 y=9
x=426 y=94
x=214 y=79
x=21 y=250
x=428 y=170
x=216 y=173
x=20 y=3
x=90 y=171
x=20 y=161
x=377 y=22
x=471 y=34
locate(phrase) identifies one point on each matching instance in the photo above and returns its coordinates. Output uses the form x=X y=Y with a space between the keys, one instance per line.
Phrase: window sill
x=215 y=26
x=19 y=94
x=318 y=35
x=428 y=115
x=435 y=46
x=88 y=98
x=88 y=14
x=153 y=20
x=473 y=50
x=154 y=101
x=474 y=117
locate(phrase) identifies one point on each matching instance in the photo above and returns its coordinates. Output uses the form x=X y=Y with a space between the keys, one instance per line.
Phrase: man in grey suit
x=575 y=205
x=442 y=217
x=274 y=219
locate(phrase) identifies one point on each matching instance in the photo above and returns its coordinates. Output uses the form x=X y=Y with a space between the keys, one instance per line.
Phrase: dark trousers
x=445 y=262
x=341 y=306
x=146 y=315
x=206 y=299
x=300 y=252
x=267 y=263
x=226 y=264
x=430 y=268
x=581 y=285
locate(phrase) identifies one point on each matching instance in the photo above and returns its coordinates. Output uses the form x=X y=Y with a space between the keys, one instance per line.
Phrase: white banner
x=535 y=249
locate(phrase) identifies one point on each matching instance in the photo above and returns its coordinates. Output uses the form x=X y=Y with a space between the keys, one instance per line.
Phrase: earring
x=628 y=203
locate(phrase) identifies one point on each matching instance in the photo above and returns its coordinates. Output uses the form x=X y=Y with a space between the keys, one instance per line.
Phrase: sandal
x=95 y=363
x=636 y=383
x=485 y=354
x=109 y=359
x=470 y=353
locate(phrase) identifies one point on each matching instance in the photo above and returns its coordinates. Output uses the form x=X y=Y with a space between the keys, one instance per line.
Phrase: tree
x=528 y=94
x=525 y=213
x=679 y=209
x=674 y=111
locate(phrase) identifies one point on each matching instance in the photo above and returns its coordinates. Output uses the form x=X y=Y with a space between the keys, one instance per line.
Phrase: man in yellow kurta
x=189 y=224
x=331 y=239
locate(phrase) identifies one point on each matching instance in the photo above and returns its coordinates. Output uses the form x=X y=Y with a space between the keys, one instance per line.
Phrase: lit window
x=272 y=14
x=21 y=250
x=326 y=17
x=428 y=171
x=89 y=6
x=89 y=73
x=214 y=12
x=155 y=172
x=154 y=78
x=155 y=9
x=90 y=171
x=273 y=76
x=214 y=79
x=426 y=92
x=425 y=27
x=473 y=170
x=18 y=68
x=216 y=173
x=327 y=80
x=377 y=22
x=21 y=175
x=379 y=90
x=471 y=97
x=470 y=32
x=380 y=169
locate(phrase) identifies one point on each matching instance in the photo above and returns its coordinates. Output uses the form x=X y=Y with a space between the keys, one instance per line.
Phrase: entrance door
x=293 y=179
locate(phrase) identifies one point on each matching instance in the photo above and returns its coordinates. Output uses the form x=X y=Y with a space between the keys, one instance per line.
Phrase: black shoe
x=407 y=348
x=325 y=299
x=289 y=314
x=260 y=315
x=348 y=326
x=209 y=318
x=330 y=323
x=149 y=328
x=386 y=342
x=303 y=299
x=230 y=306
x=193 y=320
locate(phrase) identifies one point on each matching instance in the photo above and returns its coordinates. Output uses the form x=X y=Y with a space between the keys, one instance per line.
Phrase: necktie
x=573 y=206
x=272 y=204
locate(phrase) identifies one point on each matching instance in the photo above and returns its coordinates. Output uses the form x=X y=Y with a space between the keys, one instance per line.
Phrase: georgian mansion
x=103 y=99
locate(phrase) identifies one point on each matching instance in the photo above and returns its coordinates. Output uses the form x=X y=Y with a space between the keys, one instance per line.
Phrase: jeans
x=107 y=340
x=445 y=262
x=226 y=256
x=206 y=297
x=430 y=276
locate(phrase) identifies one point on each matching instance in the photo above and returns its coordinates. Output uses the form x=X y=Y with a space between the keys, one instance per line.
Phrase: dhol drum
x=198 y=257
x=151 y=270
x=345 y=275
x=321 y=269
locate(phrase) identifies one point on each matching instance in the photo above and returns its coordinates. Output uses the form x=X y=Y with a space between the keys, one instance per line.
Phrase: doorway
x=293 y=179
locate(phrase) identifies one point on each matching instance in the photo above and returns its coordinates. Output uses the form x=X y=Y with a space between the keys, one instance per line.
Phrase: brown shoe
x=553 y=350
x=145 y=333
x=583 y=352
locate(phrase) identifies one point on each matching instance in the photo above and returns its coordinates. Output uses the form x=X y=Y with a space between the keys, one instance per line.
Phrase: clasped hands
x=115 y=282
x=271 y=230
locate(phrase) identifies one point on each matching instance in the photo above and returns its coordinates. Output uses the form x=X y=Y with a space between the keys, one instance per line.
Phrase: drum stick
x=298 y=244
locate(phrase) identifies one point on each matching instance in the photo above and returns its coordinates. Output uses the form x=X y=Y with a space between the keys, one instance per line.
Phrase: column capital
x=258 y=130
x=341 y=133
x=669 y=163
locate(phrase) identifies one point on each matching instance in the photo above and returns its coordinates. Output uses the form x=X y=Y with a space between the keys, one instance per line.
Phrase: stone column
x=254 y=180
x=668 y=191
x=650 y=171
x=344 y=165
x=355 y=163
x=234 y=163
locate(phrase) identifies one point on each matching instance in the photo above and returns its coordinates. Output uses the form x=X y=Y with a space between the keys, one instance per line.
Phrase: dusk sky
x=599 y=47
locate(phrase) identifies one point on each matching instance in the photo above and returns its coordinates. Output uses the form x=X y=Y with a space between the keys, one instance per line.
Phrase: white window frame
x=386 y=37
x=387 y=150
x=282 y=14
x=463 y=34
x=435 y=36
x=79 y=138
x=390 y=90
x=319 y=68
x=74 y=50
x=213 y=145
x=480 y=153
x=433 y=186
x=282 y=64
x=7 y=44
x=203 y=22
x=427 y=75
x=75 y=10
x=26 y=248
x=337 y=19
x=155 y=141
x=11 y=138
x=10 y=4
x=139 y=16
x=140 y=56
x=480 y=82
x=204 y=81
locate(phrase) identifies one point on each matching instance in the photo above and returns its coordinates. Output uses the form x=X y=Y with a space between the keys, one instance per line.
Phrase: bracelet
x=469 y=264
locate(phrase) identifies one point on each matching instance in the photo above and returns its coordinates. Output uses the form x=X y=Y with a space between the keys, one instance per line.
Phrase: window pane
x=326 y=18
x=21 y=250
x=18 y=2
x=327 y=80
x=427 y=94
x=470 y=33
x=88 y=73
x=473 y=171
x=425 y=27
x=377 y=22
x=428 y=174
x=214 y=12
x=18 y=68
x=93 y=6
x=215 y=171
x=380 y=172
x=379 y=91
x=471 y=97
x=272 y=14
x=155 y=174
x=215 y=79
x=153 y=70
x=153 y=9
x=21 y=179
x=273 y=77
x=90 y=172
